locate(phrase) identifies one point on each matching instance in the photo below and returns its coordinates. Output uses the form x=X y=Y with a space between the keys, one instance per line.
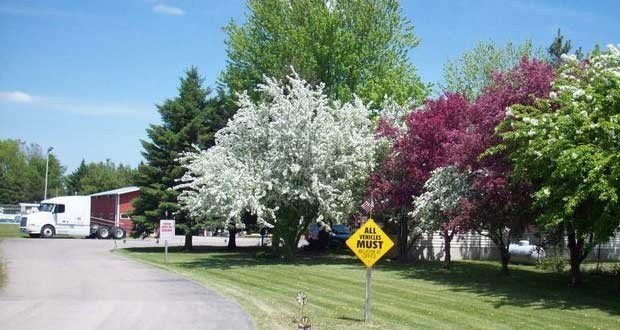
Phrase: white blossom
x=443 y=192
x=578 y=93
x=395 y=112
x=569 y=58
x=295 y=146
x=509 y=113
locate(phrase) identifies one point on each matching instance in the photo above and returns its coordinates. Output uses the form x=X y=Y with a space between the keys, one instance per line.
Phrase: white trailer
x=65 y=215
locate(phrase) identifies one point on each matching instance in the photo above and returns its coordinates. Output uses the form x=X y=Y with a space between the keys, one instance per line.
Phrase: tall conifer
x=191 y=118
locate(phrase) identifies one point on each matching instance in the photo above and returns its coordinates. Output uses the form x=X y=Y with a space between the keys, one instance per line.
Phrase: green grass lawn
x=7 y=230
x=422 y=295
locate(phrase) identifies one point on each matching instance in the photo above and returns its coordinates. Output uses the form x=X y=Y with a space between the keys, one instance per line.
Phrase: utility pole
x=47 y=165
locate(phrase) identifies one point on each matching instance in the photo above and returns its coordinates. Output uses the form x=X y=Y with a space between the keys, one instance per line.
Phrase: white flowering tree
x=568 y=147
x=293 y=158
x=436 y=208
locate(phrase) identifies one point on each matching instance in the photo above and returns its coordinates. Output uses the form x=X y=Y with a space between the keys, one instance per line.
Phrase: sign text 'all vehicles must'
x=369 y=243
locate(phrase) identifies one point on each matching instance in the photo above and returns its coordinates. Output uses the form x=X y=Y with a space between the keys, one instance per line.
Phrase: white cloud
x=99 y=108
x=168 y=10
x=15 y=97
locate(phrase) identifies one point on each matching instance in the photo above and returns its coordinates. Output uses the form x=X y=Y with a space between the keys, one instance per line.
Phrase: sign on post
x=369 y=243
x=166 y=230
x=166 y=233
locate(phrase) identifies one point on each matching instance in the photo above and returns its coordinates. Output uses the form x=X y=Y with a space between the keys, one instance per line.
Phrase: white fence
x=475 y=246
x=8 y=213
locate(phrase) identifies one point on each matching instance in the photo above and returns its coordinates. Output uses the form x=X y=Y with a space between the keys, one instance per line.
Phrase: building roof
x=118 y=191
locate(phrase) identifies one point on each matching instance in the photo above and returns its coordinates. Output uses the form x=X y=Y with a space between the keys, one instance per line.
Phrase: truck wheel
x=103 y=232
x=93 y=231
x=118 y=233
x=47 y=231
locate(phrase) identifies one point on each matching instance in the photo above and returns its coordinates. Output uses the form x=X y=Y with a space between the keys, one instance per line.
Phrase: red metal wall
x=126 y=207
x=105 y=207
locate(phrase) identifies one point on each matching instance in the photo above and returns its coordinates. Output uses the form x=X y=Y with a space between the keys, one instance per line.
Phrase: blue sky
x=84 y=76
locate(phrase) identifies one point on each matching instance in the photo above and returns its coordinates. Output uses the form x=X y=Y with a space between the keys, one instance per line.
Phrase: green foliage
x=612 y=270
x=96 y=177
x=351 y=46
x=560 y=47
x=188 y=120
x=22 y=173
x=556 y=263
x=567 y=147
x=472 y=71
x=72 y=180
x=13 y=165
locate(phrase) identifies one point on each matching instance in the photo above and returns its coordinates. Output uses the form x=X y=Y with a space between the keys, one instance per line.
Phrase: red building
x=111 y=208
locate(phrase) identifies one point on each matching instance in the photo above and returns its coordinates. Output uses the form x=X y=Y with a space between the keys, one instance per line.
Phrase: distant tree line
x=98 y=176
x=22 y=174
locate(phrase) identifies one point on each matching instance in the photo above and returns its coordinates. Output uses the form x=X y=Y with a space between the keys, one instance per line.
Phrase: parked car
x=339 y=235
x=333 y=237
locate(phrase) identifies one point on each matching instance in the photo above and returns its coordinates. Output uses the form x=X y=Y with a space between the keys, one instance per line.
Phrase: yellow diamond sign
x=369 y=243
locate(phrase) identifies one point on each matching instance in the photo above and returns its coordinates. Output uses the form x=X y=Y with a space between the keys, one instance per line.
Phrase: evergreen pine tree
x=557 y=48
x=73 y=181
x=189 y=119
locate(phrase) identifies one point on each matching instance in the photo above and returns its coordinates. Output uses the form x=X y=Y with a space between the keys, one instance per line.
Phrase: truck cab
x=66 y=215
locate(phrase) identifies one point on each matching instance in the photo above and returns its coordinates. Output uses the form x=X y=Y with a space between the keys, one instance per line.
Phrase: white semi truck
x=66 y=215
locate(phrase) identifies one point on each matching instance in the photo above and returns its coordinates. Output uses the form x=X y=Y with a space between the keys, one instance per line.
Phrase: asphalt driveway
x=69 y=284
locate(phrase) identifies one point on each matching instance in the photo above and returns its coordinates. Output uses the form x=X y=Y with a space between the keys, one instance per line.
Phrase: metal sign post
x=166 y=251
x=166 y=233
x=369 y=243
x=367 y=302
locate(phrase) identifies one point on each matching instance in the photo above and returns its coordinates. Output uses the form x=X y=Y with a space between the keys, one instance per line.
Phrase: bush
x=606 y=269
x=554 y=263
x=614 y=270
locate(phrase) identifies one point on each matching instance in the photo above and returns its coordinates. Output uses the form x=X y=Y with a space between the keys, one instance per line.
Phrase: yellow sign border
x=369 y=256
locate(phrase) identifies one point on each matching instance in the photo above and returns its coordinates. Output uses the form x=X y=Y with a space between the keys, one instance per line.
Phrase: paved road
x=69 y=284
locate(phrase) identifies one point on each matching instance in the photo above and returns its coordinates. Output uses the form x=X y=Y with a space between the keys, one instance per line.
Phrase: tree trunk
x=447 y=240
x=291 y=246
x=575 y=246
x=232 y=238
x=188 y=242
x=505 y=255
x=502 y=244
x=403 y=236
x=286 y=234
x=275 y=242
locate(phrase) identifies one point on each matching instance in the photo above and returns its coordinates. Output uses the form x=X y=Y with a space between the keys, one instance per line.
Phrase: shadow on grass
x=352 y=319
x=523 y=287
x=222 y=258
